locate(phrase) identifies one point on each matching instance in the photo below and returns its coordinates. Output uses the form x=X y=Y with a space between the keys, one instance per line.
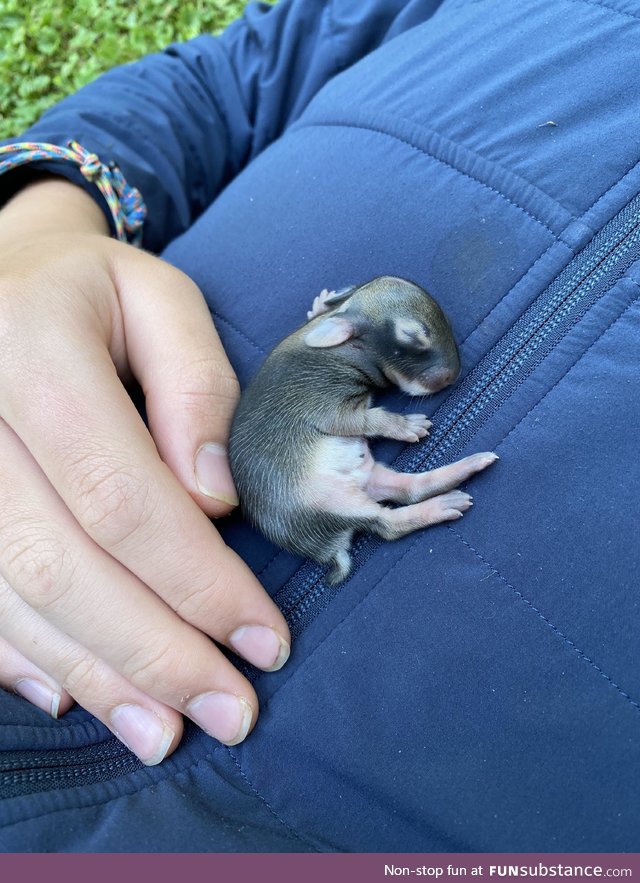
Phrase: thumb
x=190 y=388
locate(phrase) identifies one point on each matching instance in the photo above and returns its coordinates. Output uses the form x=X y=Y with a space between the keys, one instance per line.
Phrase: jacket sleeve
x=183 y=122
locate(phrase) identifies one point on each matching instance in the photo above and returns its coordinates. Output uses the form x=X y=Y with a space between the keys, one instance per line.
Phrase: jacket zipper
x=586 y=278
x=580 y=285
x=31 y=772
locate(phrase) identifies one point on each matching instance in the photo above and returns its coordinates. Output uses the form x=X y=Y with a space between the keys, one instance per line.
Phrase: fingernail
x=222 y=715
x=39 y=694
x=260 y=645
x=213 y=475
x=142 y=732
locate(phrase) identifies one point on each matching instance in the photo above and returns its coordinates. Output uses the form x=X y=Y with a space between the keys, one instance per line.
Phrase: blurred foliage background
x=49 y=48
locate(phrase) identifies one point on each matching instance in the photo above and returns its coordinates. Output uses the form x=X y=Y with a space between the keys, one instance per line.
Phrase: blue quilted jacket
x=473 y=687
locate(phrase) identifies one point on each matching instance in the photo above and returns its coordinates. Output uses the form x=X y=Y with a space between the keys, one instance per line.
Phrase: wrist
x=50 y=205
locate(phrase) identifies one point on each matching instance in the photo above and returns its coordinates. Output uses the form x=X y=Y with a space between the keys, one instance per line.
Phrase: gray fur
x=307 y=393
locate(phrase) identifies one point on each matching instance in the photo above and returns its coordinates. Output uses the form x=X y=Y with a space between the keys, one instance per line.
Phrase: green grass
x=49 y=48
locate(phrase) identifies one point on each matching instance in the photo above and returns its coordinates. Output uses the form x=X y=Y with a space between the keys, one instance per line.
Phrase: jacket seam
x=567 y=641
x=486 y=563
x=577 y=361
x=346 y=616
x=425 y=152
x=530 y=269
x=264 y=800
x=573 y=251
x=238 y=331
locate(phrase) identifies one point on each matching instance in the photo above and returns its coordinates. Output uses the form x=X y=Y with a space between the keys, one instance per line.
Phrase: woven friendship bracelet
x=125 y=202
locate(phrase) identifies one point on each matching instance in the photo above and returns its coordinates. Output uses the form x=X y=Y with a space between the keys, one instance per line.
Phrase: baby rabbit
x=298 y=448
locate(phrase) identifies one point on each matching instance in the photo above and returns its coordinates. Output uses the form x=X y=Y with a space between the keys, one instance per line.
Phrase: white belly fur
x=339 y=475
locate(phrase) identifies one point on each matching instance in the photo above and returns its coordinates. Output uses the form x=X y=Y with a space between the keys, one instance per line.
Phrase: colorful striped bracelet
x=125 y=202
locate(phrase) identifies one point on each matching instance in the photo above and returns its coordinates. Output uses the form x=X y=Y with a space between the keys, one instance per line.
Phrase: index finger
x=97 y=453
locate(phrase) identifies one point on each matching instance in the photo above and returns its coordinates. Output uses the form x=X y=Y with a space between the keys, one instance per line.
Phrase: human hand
x=112 y=578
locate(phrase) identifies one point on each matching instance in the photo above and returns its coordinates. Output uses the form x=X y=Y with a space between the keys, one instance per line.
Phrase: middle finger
x=76 y=586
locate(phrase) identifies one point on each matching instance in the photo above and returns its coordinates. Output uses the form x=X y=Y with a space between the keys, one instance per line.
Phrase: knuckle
x=113 y=501
x=147 y=670
x=39 y=566
x=191 y=606
x=203 y=385
x=83 y=674
x=213 y=598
